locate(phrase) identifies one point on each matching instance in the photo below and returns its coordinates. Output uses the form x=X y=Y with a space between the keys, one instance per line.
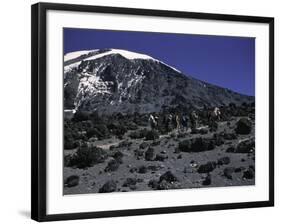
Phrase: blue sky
x=221 y=60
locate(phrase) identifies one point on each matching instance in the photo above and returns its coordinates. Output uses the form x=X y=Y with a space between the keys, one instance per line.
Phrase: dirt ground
x=146 y=175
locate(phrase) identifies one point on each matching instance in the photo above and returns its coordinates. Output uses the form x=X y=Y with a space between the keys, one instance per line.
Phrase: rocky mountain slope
x=113 y=80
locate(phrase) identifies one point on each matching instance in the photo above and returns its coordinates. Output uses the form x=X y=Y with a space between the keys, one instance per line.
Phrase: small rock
x=239 y=169
x=149 y=154
x=142 y=169
x=133 y=169
x=144 y=145
x=112 y=165
x=207 y=180
x=228 y=171
x=230 y=149
x=249 y=174
x=130 y=181
x=160 y=157
x=223 y=161
x=118 y=156
x=72 y=181
x=169 y=177
x=206 y=168
x=153 y=184
x=247 y=146
x=109 y=186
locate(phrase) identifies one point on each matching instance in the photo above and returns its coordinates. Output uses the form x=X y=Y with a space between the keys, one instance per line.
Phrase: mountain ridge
x=115 y=80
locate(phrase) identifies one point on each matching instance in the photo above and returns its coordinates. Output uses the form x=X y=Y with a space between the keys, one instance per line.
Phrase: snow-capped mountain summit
x=115 y=80
x=74 y=58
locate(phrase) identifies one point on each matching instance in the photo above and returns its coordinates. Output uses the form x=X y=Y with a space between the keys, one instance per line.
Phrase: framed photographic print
x=138 y=111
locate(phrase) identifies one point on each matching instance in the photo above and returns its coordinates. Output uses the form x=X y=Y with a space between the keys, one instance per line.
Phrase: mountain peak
x=115 y=80
x=96 y=53
x=73 y=59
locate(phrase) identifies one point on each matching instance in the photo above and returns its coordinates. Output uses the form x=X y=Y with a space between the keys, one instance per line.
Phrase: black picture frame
x=39 y=123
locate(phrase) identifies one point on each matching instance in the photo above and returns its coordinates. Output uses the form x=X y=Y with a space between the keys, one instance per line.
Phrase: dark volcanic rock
x=249 y=174
x=142 y=169
x=72 y=181
x=118 y=156
x=160 y=157
x=133 y=170
x=239 y=169
x=165 y=185
x=208 y=167
x=218 y=140
x=229 y=136
x=109 y=186
x=203 y=131
x=153 y=167
x=144 y=145
x=243 y=126
x=129 y=182
x=112 y=165
x=149 y=154
x=230 y=149
x=124 y=143
x=207 y=180
x=155 y=143
x=169 y=177
x=223 y=161
x=228 y=171
x=139 y=153
x=153 y=184
x=246 y=146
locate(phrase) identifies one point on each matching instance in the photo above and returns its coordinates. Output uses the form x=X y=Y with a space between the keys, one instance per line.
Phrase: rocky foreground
x=142 y=159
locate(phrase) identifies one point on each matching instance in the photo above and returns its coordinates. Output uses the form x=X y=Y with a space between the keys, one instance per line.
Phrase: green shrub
x=138 y=134
x=151 y=135
x=100 y=131
x=196 y=145
x=87 y=157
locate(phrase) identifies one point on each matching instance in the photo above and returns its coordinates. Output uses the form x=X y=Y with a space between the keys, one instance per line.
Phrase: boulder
x=72 y=181
x=207 y=180
x=223 y=161
x=229 y=136
x=144 y=145
x=207 y=168
x=218 y=139
x=112 y=165
x=142 y=169
x=160 y=157
x=153 y=184
x=228 y=171
x=149 y=154
x=243 y=126
x=109 y=186
x=129 y=182
x=118 y=156
x=249 y=174
x=247 y=146
x=165 y=185
x=169 y=177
